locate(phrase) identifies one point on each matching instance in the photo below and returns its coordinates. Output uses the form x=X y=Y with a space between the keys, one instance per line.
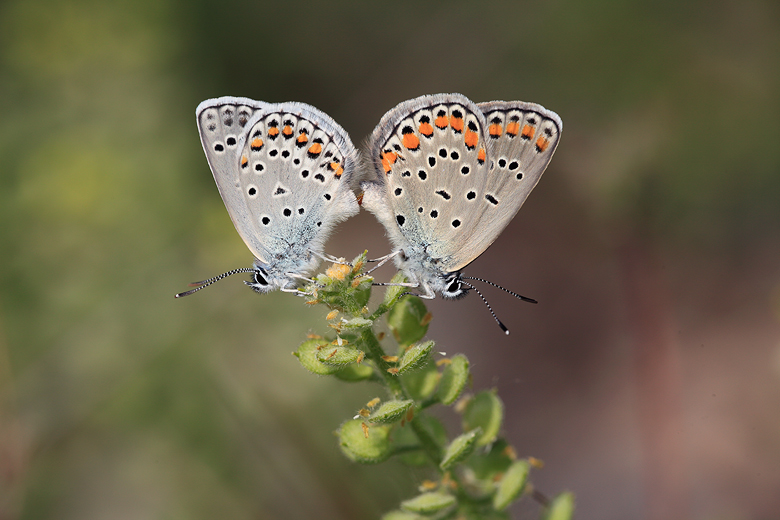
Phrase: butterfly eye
x=454 y=286
x=258 y=277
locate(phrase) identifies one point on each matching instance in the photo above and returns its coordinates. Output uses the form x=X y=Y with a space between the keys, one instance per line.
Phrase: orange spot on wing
x=513 y=128
x=471 y=139
x=426 y=129
x=542 y=143
x=481 y=156
x=411 y=141
x=495 y=130
x=244 y=161
x=256 y=144
x=315 y=149
x=528 y=132
x=287 y=131
x=336 y=167
x=273 y=131
x=441 y=122
x=457 y=123
x=388 y=160
x=302 y=139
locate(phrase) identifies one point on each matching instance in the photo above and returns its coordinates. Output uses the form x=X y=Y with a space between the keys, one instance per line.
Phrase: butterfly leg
x=428 y=292
x=301 y=277
x=382 y=261
x=390 y=284
x=330 y=258
x=297 y=292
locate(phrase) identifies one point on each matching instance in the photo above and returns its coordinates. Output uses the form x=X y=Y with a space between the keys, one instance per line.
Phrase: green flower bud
x=561 y=507
x=485 y=411
x=460 y=448
x=511 y=484
x=408 y=320
x=429 y=503
x=415 y=357
x=370 y=449
x=453 y=379
x=390 y=412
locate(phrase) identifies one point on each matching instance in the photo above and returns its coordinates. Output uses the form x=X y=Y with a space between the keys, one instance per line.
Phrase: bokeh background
x=647 y=378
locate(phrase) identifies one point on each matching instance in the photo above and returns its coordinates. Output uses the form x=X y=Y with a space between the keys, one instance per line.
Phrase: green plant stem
x=382 y=309
x=428 y=444
x=375 y=352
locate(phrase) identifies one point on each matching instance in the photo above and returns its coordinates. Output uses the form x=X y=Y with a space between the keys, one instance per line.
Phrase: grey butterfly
x=449 y=177
x=284 y=173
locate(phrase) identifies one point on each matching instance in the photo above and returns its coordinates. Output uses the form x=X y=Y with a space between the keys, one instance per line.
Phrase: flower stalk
x=478 y=475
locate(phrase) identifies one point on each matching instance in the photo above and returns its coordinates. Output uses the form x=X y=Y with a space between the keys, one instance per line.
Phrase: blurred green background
x=647 y=379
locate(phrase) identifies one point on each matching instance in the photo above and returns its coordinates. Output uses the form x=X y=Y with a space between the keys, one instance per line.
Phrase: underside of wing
x=295 y=170
x=283 y=173
x=430 y=159
x=521 y=140
x=221 y=123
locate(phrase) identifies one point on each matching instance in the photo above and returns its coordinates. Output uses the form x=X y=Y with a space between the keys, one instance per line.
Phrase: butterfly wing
x=439 y=189
x=221 y=123
x=429 y=157
x=521 y=140
x=295 y=168
x=283 y=171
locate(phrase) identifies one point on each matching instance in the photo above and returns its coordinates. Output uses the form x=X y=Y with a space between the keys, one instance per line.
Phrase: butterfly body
x=283 y=171
x=449 y=177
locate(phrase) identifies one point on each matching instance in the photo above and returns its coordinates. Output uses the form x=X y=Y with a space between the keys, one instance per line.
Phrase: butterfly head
x=258 y=280
x=263 y=279
x=453 y=287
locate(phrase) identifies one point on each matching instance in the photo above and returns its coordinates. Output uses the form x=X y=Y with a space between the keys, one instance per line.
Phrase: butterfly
x=283 y=171
x=449 y=176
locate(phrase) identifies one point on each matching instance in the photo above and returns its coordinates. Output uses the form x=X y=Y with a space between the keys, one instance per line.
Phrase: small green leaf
x=429 y=503
x=453 y=379
x=372 y=450
x=356 y=324
x=355 y=372
x=401 y=515
x=561 y=507
x=390 y=412
x=407 y=320
x=338 y=356
x=393 y=291
x=460 y=448
x=416 y=357
x=485 y=411
x=307 y=354
x=420 y=384
x=511 y=484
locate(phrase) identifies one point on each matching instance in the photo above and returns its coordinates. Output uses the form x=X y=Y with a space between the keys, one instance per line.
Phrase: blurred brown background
x=647 y=378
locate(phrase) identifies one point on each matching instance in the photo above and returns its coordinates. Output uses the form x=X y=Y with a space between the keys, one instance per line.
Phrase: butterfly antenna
x=503 y=327
x=519 y=296
x=205 y=283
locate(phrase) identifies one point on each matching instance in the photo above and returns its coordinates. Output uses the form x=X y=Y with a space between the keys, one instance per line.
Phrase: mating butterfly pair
x=449 y=175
